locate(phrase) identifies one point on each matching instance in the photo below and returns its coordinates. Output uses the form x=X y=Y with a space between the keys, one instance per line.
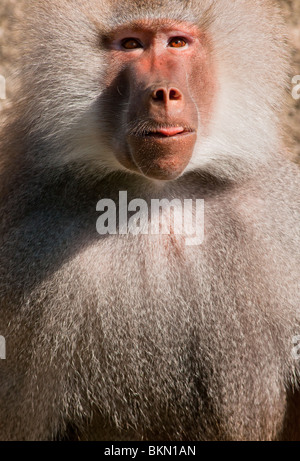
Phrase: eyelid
x=189 y=39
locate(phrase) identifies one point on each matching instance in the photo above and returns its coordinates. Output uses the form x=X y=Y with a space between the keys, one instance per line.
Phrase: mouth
x=161 y=152
x=167 y=133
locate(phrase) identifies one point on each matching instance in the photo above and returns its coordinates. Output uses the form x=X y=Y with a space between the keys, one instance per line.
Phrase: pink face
x=160 y=83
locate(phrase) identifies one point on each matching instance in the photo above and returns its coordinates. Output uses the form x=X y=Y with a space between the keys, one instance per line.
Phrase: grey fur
x=141 y=337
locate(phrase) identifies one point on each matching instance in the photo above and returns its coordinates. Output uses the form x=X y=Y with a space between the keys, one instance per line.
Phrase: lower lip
x=164 y=137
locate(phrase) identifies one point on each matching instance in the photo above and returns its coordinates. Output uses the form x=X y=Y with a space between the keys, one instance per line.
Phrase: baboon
x=141 y=337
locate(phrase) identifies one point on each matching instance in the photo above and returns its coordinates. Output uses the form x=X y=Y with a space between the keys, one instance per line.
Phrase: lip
x=158 y=136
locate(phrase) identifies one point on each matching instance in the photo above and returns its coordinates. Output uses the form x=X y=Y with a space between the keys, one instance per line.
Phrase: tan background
x=291 y=8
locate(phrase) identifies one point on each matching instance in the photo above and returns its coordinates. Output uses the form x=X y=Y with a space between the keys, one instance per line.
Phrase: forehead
x=134 y=11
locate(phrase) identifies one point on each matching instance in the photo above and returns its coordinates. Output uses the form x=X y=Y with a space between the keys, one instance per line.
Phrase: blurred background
x=12 y=9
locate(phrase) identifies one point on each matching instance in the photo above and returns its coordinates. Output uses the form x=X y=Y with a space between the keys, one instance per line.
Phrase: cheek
x=203 y=80
x=114 y=95
x=114 y=65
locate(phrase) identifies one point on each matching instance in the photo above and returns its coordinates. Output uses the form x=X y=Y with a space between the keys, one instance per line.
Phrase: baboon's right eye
x=131 y=44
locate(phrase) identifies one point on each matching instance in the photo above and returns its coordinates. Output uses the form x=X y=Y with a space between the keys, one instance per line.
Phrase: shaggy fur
x=141 y=337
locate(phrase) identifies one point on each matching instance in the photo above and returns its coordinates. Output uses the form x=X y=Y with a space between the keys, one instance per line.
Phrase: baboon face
x=159 y=91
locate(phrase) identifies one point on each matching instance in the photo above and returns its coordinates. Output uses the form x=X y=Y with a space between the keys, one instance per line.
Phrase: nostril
x=165 y=95
x=159 y=95
x=174 y=94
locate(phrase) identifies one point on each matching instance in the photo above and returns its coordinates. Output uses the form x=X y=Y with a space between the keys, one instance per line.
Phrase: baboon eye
x=177 y=42
x=131 y=44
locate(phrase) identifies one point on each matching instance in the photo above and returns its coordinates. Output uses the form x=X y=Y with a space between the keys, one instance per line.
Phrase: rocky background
x=10 y=9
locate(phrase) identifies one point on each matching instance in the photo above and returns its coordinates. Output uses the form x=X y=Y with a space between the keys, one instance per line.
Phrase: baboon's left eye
x=177 y=42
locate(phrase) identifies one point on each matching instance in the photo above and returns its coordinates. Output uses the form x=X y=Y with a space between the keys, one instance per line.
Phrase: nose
x=165 y=95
